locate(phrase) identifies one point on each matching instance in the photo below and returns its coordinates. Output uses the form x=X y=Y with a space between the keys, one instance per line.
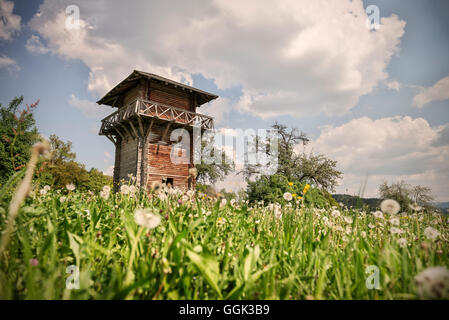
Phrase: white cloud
x=90 y=109
x=109 y=171
x=292 y=57
x=388 y=149
x=393 y=85
x=438 y=92
x=9 y=22
x=35 y=45
x=9 y=64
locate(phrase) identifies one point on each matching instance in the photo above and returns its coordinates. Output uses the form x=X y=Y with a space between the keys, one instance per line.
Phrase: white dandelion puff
x=146 y=218
x=288 y=196
x=390 y=206
x=431 y=233
x=402 y=242
x=433 y=283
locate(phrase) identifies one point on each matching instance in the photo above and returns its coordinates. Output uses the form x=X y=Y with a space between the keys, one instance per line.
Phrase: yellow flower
x=294 y=195
x=290 y=184
x=299 y=197
x=306 y=188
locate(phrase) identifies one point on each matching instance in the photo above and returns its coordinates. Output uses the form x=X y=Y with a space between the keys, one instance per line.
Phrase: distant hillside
x=443 y=206
x=373 y=203
x=356 y=202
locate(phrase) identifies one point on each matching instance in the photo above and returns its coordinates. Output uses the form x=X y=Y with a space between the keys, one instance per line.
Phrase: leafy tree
x=17 y=134
x=311 y=168
x=211 y=173
x=62 y=169
x=61 y=151
x=407 y=194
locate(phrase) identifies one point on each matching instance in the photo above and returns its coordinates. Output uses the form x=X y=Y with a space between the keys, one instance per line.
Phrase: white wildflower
x=132 y=189
x=348 y=220
x=395 y=230
x=146 y=218
x=124 y=189
x=223 y=202
x=288 y=196
x=43 y=192
x=62 y=199
x=335 y=213
x=431 y=233
x=433 y=283
x=47 y=188
x=402 y=242
x=394 y=221
x=390 y=206
x=378 y=214
x=107 y=189
x=104 y=195
x=70 y=187
x=363 y=234
x=415 y=207
x=371 y=226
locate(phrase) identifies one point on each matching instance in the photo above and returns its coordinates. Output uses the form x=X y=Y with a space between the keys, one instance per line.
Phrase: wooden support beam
x=120 y=133
x=126 y=129
x=140 y=126
x=147 y=132
x=136 y=133
x=166 y=131
x=112 y=139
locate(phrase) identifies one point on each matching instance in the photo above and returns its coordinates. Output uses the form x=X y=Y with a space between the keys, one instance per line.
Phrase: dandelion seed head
x=390 y=206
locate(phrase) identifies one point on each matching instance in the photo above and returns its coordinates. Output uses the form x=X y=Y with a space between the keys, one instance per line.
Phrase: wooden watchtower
x=149 y=107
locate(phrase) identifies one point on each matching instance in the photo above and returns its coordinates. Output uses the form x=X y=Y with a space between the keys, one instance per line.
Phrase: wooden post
x=116 y=177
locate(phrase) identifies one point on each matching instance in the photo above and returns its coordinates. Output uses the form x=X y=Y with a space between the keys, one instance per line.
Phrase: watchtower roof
x=136 y=75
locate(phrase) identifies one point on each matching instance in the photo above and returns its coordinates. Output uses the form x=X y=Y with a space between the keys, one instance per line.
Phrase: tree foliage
x=310 y=168
x=17 y=134
x=211 y=173
x=62 y=169
x=407 y=194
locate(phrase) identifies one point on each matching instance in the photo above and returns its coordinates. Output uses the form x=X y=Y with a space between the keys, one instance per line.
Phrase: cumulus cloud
x=34 y=45
x=393 y=85
x=90 y=109
x=438 y=92
x=388 y=149
x=292 y=57
x=9 y=64
x=9 y=22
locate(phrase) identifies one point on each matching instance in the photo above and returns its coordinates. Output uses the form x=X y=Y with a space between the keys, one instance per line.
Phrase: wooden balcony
x=137 y=118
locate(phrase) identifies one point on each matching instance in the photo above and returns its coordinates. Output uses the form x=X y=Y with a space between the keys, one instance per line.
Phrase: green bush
x=271 y=189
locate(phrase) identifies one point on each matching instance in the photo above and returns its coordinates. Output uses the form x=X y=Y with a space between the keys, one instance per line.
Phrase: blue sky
x=376 y=101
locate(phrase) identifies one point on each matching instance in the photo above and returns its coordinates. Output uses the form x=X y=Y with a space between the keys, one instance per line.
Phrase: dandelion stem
x=131 y=258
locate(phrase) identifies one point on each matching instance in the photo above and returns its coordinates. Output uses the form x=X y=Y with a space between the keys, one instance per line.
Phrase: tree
x=406 y=194
x=17 y=134
x=62 y=169
x=211 y=173
x=310 y=168
x=61 y=151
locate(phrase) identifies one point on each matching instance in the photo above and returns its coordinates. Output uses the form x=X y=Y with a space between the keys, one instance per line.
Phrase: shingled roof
x=133 y=78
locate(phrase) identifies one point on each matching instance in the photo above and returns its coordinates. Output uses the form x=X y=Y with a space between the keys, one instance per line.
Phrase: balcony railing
x=151 y=109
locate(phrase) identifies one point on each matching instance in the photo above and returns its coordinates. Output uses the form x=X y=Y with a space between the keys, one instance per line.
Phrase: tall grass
x=206 y=250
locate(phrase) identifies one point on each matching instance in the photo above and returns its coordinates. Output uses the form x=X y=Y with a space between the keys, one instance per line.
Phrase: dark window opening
x=168 y=182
